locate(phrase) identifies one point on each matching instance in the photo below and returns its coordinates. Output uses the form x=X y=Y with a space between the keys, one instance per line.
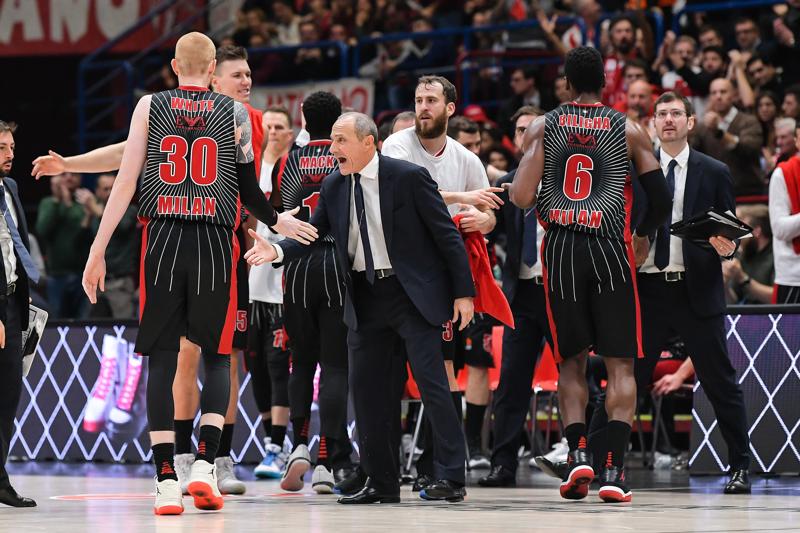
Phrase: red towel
x=488 y=296
x=791 y=175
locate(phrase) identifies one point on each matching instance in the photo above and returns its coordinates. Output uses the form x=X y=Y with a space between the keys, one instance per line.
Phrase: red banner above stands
x=59 y=27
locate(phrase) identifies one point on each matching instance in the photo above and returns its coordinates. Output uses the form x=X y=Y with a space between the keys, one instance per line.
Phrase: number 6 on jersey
x=578 y=177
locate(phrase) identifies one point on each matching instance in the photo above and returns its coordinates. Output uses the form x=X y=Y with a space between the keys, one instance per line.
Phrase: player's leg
x=187 y=401
x=335 y=448
x=478 y=359
x=621 y=407
x=227 y=481
x=569 y=278
x=304 y=337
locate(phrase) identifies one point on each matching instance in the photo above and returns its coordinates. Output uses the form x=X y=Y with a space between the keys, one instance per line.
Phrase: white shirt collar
x=682 y=158
x=730 y=115
x=371 y=170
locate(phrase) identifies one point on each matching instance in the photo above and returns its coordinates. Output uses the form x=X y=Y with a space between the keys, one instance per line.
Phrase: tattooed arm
x=250 y=192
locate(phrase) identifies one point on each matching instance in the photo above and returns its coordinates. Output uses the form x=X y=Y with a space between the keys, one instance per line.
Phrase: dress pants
x=666 y=310
x=386 y=315
x=10 y=382
x=521 y=349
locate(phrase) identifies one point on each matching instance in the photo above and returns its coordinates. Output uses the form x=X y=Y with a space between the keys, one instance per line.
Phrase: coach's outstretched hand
x=261 y=252
x=463 y=307
x=288 y=226
x=482 y=198
x=94 y=275
x=48 y=165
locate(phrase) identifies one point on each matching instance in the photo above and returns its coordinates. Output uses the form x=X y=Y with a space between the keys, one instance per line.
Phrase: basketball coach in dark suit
x=680 y=284
x=408 y=275
x=18 y=269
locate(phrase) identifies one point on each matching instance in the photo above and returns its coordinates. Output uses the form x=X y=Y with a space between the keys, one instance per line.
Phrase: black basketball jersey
x=586 y=183
x=191 y=158
x=300 y=178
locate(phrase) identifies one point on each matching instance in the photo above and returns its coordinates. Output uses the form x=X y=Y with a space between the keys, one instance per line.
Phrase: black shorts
x=590 y=288
x=478 y=341
x=187 y=286
x=243 y=295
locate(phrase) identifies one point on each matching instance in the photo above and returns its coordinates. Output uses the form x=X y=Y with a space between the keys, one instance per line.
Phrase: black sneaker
x=613 y=488
x=421 y=482
x=580 y=474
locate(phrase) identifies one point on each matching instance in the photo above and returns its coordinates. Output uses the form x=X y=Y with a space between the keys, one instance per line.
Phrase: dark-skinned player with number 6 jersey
x=199 y=168
x=581 y=153
x=313 y=300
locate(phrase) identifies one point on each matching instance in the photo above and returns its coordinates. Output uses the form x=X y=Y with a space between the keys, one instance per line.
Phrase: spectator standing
x=118 y=297
x=733 y=137
x=784 y=215
x=63 y=235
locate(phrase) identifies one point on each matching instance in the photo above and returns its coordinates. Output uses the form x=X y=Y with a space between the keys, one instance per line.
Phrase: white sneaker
x=322 y=480
x=227 y=482
x=559 y=452
x=203 y=486
x=183 y=467
x=299 y=463
x=169 y=499
x=272 y=465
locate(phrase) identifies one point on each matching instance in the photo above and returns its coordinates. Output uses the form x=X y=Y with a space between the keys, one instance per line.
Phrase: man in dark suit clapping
x=407 y=274
x=18 y=269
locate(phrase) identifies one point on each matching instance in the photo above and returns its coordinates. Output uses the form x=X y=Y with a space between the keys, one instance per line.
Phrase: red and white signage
x=358 y=94
x=59 y=27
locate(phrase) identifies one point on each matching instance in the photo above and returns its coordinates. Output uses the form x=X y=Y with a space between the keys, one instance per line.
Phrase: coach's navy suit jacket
x=708 y=184
x=23 y=290
x=426 y=251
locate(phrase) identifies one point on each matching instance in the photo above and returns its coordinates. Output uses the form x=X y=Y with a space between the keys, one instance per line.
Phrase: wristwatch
x=745 y=282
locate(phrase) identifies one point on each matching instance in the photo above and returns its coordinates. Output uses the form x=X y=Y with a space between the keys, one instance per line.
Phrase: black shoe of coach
x=8 y=496
x=739 y=483
x=500 y=476
x=369 y=495
x=422 y=481
x=348 y=483
x=444 y=489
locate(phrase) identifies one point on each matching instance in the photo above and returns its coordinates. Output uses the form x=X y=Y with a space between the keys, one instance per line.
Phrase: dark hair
x=282 y=110
x=526 y=110
x=584 y=69
x=758 y=57
x=384 y=131
x=794 y=90
x=636 y=63
x=745 y=20
x=321 y=110
x=621 y=18
x=528 y=72
x=458 y=125
x=772 y=95
x=717 y=50
x=403 y=115
x=670 y=96
x=707 y=28
x=228 y=52
x=7 y=127
x=500 y=149
x=449 y=90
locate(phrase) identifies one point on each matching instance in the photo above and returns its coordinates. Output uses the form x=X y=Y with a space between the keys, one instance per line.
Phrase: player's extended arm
x=522 y=191
x=659 y=201
x=250 y=192
x=103 y=159
x=121 y=194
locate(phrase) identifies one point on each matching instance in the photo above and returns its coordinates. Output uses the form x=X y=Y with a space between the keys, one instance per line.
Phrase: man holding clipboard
x=680 y=284
x=18 y=269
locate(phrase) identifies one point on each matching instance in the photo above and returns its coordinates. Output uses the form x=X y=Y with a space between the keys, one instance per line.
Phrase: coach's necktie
x=361 y=217
x=529 y=231
x=661 y=258
x=22 y=252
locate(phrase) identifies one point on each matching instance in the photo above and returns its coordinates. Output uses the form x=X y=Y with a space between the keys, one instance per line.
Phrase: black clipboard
x=713 y=222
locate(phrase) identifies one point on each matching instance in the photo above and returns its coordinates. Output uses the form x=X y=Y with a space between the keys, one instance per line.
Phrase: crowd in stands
x=739 y=69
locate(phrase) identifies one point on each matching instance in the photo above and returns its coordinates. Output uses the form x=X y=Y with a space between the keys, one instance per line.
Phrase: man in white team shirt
x=267 y=354
x=463 y=185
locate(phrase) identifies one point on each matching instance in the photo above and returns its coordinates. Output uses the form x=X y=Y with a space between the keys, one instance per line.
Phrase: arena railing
x=737 y=5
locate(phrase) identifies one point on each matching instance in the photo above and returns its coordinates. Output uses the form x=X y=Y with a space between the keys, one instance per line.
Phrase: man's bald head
x=194 y=55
